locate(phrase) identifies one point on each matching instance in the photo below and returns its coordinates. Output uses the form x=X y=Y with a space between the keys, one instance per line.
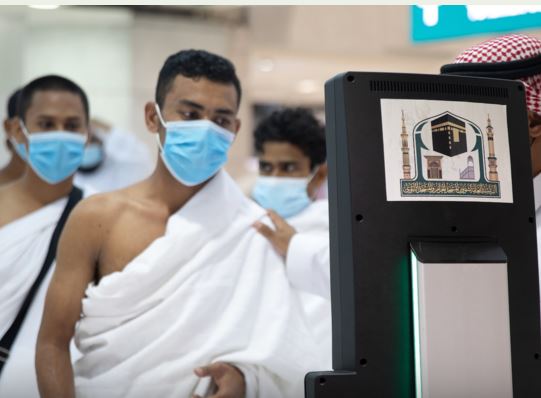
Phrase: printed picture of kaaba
x=450 y=165
x=448 y=135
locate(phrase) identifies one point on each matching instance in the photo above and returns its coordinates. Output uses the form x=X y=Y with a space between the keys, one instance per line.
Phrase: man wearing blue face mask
x=291 y=148
x=167 y=275
x=52 y=128
x=16 y=165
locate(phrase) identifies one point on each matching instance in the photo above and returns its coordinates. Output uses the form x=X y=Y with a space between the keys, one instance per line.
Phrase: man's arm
x=75 y=268
x=307 y=255
x=308 y=263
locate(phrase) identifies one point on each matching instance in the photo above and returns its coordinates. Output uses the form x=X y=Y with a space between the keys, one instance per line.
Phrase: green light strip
x=416 y=332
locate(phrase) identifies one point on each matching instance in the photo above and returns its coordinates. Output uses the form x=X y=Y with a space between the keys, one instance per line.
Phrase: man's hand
x=228 y=379
x=281 y=236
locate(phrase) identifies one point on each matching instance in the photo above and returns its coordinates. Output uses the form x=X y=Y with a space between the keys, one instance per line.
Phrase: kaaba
x=449 y=135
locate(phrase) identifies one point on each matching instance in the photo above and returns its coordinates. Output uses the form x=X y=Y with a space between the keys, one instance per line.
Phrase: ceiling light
x=265 y=65
x=44 y=6
x=307 y=86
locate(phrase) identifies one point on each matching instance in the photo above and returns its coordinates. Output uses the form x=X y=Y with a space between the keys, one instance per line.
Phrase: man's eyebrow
x=225 y=111
x=46 y=116
x=192 y=104
x=222 y=111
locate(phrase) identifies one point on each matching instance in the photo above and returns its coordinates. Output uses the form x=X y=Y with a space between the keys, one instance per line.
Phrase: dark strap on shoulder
x=9 y=337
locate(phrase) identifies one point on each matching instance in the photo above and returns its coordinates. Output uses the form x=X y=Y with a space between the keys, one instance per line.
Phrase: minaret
x=492 y=160
x=406 y=168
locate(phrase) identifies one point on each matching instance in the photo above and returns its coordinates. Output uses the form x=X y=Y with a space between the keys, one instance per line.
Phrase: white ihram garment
x=308 y=270
x=211 y=289
x=23 y=247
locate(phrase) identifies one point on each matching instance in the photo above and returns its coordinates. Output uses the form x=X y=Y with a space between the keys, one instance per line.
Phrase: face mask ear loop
x=14 y=144
x=26 y=134
x=159 y=142
x=160 y=115
x=87 y=138
x=23 y=128
x=310 y=178
x=313 y=174
x=163 y=124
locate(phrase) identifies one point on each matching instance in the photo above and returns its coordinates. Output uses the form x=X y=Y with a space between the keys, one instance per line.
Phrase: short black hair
x=49 y=83
x=297 y=126
x=12 y=104
x=196 y=64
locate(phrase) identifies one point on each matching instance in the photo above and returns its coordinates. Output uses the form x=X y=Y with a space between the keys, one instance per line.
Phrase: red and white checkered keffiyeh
x=506 y=49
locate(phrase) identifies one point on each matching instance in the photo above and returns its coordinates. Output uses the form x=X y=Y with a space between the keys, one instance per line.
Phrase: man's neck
x=29 y=194
x=162 y=187
x=13 y=171
x=42 y=192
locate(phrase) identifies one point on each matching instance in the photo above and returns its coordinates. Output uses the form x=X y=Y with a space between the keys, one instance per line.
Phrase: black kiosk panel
x=417 y=161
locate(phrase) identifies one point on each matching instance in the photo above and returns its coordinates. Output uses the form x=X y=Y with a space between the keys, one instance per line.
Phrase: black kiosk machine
x=434 y=275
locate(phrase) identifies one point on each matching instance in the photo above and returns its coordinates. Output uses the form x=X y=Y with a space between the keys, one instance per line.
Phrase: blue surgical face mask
x=92 y=157
x=194 y=150
x=286 y=196
x=54 y=155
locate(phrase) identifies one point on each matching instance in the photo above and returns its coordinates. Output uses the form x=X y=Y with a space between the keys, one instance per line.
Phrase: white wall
x=91 y=46
x=11 y=43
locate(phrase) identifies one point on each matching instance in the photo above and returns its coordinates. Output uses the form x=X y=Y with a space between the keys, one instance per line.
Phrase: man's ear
x=10 y=127
x=151 y=118
x=323 y=171
x=318 y=179
x=534 y=124
x=7 y=127
x=14 y=130
x=237 y=126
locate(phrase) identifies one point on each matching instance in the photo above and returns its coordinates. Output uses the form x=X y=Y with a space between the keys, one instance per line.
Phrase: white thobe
x=23 y=247
x=308 y=270
x=307 y=258
x=211 y=289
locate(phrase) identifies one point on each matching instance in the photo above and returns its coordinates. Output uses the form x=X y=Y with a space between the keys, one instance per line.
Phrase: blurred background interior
x=283 y=54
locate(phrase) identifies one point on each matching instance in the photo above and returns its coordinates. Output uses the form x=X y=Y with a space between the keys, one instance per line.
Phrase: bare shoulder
x=103 y=210
x=89 y=225
x=102 y=204
x=99 y=211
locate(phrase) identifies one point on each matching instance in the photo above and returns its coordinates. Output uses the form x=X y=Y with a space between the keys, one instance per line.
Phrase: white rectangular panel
x=462 y=333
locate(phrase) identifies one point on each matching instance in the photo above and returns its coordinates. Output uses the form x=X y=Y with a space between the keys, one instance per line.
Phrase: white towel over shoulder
x=23 y=247
x=211 y=289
